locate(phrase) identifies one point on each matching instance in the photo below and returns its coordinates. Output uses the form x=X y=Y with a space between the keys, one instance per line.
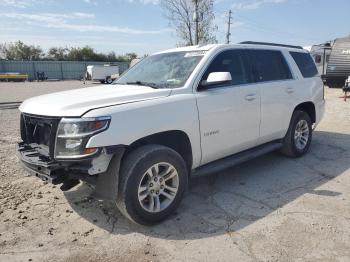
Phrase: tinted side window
x=269 y=65
x=305 y=63
x=230 y=61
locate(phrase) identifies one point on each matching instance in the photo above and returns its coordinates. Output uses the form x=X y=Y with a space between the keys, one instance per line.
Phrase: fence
x=63 y=70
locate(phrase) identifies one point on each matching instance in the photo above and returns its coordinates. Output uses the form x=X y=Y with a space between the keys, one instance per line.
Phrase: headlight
x=74 y=133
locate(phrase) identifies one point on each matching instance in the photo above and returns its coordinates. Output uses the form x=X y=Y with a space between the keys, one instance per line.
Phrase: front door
x=229 y=113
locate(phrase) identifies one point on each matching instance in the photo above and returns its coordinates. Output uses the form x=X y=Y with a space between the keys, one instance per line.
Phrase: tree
x=21 y=51
x=111 y=56
x=82 y=54
x=130 y=56
x=58 y=53
x=181 y=16
x=2 y=51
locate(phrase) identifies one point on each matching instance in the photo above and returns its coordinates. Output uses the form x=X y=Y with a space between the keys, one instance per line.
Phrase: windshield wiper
x=141 y=83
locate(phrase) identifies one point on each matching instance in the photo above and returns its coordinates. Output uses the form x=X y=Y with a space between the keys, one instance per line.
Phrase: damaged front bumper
x=39 y=165
x=95 y=171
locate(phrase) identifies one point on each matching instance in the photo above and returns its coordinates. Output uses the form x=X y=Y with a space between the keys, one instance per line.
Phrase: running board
x=236 y=159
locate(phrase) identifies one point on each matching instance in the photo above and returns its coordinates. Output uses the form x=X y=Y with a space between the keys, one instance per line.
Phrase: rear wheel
x=153 y=180
x=299 y=135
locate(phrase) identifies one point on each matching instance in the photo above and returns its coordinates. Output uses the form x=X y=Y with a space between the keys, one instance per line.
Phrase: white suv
x=173 y=115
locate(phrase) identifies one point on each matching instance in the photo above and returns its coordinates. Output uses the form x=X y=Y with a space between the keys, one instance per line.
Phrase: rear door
x=277 y=92
x=229 y=113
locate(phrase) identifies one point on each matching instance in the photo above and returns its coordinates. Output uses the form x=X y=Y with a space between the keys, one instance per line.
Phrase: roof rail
x=271 y=44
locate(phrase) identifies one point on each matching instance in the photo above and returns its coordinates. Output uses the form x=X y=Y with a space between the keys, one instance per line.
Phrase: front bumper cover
x=52 y=171
x=58 y=172
x=39 y=165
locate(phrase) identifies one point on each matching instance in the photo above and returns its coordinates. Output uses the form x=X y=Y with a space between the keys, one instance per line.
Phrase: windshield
x=168 y=70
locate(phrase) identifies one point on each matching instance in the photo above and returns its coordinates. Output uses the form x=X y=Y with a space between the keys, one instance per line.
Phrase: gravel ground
x=269 y=209
x=16 y=92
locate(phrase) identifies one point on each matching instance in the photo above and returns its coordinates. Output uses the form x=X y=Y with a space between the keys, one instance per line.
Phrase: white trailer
x=102 y=73
x=321 y=54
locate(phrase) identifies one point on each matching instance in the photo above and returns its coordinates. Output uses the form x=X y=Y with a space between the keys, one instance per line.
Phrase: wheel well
x=309 y=108
x=175 y=139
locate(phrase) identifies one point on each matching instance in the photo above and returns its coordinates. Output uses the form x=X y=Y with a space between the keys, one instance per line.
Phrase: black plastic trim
x=270 y=44
x=236 y=159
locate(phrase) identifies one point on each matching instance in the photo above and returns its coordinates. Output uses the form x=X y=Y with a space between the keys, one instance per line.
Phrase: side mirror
x=216 y=78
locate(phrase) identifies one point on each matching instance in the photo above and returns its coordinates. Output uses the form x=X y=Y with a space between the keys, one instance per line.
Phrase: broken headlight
x=74 y=133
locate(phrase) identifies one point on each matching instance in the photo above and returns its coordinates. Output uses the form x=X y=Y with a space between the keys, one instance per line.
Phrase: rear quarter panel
x=306 y=90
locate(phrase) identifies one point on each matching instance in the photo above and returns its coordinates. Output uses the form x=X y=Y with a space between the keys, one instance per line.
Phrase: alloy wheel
x=158 y=187
x=301 y=134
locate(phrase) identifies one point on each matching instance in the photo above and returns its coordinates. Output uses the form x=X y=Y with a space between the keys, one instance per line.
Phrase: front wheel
x=153 y=179
x=109 y=80
x=299 y=135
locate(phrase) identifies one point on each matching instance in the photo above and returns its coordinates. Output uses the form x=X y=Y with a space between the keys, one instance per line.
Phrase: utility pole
x=196 y=20
x=229 y=27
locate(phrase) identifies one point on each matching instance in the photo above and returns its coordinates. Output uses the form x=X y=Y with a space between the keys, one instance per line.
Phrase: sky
x=140 y=26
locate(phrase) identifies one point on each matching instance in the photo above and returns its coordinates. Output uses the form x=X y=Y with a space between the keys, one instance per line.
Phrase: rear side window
x=305 y=63
x=269 y=65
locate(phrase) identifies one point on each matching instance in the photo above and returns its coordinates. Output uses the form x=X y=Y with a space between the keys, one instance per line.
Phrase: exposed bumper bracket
x=39 y=165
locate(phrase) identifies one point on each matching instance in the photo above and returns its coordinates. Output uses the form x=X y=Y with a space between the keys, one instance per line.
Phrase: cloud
x=64 y=21
x=49 y=18
x=91 y=2
x=83 y=15
x=145 y=2
x=250 y=5
x=19 y=3
x=47 y=42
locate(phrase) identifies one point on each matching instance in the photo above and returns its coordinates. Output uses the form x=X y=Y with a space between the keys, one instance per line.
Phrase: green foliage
x=58 y=53
x=21 y=51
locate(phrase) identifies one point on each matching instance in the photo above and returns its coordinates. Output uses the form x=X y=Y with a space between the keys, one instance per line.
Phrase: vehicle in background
x=333 y=61
x=134 y=61
x=338 y=68
x=176 y=114
x=320 y=54
x=103 y=73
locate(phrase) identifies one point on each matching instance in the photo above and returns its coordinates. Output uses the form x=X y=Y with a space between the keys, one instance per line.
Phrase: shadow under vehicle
x=235 y=198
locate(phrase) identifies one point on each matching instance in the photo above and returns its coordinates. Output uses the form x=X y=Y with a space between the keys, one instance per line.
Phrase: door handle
x=250 y=97
x=290 y=90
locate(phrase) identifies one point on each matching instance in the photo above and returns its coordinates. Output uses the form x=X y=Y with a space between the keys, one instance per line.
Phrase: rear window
x=305 y=63
x=269 y=65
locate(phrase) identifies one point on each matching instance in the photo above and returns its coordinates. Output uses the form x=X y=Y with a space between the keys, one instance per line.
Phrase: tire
x=292 y=146
x=136 y=173
x=109 y=80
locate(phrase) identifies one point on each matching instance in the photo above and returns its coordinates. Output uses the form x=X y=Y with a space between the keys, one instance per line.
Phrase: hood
x=79 y=101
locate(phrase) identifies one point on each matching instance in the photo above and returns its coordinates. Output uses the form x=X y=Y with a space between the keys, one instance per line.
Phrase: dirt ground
x=269 y=209
x=16 y=92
